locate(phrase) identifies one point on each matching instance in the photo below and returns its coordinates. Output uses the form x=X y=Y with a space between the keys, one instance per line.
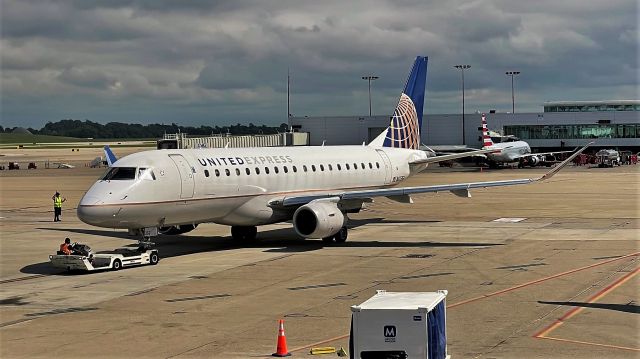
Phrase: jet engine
x=318 y=219
x=535 y=160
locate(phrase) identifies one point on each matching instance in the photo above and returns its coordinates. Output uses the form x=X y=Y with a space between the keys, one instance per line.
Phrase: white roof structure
x=402 y=300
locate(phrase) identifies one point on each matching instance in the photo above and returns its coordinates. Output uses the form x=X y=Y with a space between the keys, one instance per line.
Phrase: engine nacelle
x=535 y=160
x=318 y=220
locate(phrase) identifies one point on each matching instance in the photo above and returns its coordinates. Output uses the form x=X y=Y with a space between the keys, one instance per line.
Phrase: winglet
x=557 y=168
x=111 y=158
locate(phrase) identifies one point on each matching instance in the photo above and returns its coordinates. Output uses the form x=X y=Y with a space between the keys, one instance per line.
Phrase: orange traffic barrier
x=281 y=349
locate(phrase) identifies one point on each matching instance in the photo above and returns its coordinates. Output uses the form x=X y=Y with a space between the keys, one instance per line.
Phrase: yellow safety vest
x=57 y=202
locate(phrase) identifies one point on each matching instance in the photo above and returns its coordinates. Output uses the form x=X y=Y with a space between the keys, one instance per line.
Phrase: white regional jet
x=314 y=186
x=511 y=151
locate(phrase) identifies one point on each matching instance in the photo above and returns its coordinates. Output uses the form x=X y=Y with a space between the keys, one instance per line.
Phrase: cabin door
x=186 y=176
x=387 y=166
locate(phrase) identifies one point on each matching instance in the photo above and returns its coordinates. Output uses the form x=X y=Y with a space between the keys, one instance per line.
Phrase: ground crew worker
x=57 y=206
x=65 y=248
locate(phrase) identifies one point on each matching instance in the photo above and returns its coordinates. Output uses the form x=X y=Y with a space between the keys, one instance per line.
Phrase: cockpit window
x=120 y=174
x=146 y=174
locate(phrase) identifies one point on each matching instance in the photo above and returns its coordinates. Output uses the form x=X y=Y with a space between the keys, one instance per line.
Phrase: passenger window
x=313 y=168
x=266 y=170
x=217 y=173
x=330 y=168
x=257 y=171
x=237 y=172
x=276 y=170
x=362 y=165
x=286 y=170
x=370 y=165
x=227 y=172
x=206 y=173
x=377 y=165
x=339 y=168
x=322 y=168
x=347 y=166
x=355 y=166
x=304 y=167
x=247 y=170
x=295 y=169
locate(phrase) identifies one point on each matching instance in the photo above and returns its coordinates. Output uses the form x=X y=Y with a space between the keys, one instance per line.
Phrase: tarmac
x=537 y=271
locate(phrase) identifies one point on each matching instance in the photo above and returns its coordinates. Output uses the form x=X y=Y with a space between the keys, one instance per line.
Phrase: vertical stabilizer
x=404 y=129
x=486 y=139
x=110 y=157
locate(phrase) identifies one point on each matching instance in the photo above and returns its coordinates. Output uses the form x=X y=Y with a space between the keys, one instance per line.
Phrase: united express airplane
x=313 y=186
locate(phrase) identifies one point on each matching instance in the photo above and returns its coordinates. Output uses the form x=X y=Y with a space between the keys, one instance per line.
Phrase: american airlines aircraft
x=511 y=151
x=312 y=186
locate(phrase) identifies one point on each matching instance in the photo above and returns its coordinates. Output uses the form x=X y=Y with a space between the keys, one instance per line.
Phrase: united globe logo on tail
x=404 y=129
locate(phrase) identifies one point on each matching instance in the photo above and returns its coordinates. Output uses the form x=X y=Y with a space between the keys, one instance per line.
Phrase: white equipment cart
x=400 y=325
x=84 y=259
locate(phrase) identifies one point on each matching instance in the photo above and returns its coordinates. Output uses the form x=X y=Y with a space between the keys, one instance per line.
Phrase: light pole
x=513 y=99
x=462 y=68
x=369 y=78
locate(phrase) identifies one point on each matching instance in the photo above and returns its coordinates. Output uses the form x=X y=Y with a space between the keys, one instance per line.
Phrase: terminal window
x=586 y=131
x=595 y=107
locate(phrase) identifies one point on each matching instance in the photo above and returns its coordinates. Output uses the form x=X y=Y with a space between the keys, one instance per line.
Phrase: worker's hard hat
x=67 y=240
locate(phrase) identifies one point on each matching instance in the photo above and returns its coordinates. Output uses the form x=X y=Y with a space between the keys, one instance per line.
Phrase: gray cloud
x=196 y=61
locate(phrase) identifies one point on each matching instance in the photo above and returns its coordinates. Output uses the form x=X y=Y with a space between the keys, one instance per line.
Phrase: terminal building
x=566 y=124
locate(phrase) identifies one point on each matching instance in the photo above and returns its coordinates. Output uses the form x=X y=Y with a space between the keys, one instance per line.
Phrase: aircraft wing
x=452 y=156
x=402 y=194
x=544 y=153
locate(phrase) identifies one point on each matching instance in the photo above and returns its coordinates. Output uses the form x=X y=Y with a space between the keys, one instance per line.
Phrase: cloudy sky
x=221 y=62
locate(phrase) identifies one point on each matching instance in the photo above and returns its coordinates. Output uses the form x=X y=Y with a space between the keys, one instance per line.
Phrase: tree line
x=89 y=129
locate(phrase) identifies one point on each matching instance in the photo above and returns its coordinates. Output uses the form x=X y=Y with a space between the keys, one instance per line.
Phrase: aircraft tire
x=329 y=239
x=341 y=236
x=251 y=233
x=242 y=233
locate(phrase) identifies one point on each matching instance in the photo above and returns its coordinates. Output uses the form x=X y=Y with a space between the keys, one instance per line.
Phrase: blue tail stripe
x=111 y=158
x=404 y=129
x=415 y=87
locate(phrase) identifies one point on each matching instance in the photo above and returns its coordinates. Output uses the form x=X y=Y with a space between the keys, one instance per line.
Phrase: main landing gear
x=339 y=237
x=244 y=233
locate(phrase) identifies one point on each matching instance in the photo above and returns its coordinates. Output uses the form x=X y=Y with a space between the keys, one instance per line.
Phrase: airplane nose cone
x=91 y=212
x=94 y=215
x=89 y=200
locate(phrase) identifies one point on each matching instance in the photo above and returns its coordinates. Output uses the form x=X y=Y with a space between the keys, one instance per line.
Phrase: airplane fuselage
x=509 y=151
x=233 y=186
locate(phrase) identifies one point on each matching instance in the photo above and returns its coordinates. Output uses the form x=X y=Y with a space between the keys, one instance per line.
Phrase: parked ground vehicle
x=14 y=166
x=608 y=158
x=83 y=258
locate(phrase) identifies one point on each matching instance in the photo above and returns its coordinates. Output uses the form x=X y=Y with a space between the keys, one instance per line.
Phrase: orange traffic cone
x=281 y=349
